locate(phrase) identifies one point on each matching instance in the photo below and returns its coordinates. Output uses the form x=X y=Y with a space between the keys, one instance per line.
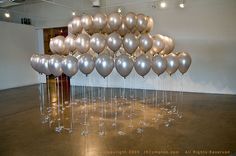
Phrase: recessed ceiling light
x=181 y=5
x=119 y=10
x=163 y=4
x=73 y=13
x=7 y=15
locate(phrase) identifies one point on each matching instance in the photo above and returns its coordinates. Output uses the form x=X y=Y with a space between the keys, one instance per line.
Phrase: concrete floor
x=208 y=125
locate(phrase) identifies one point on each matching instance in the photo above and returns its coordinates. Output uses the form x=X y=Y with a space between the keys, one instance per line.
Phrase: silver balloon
x=82 y=43
x=130 y=43
x=124 y=65
x=70 y=43
x=169 y=45
x=114 y=41
x=34 y=62
x=130 y=20
x=99 y=21
x=123 y=30
x=98 y=42
x=142 y=22
x=158 y=44
x=142 y=65
x=114 y=21
x=150 y=24
x=76 y=26
x=43 y=64
x=59 y=45
x=51 y=45
x=172 y=63
x=69 y=65
x=54 y=65
x=104 y=64
x=159 y=64
x=145 y=42
x=185 y=61
x=86 y=63
x=87 y=22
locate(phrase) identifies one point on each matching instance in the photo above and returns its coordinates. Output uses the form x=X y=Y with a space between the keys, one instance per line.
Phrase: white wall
x=205 y=29
x=17 y=44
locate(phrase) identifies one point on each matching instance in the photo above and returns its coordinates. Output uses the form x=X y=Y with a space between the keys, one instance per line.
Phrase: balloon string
x=58 y=102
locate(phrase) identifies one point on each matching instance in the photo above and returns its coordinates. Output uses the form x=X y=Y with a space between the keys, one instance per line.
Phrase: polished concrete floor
x=208 y=127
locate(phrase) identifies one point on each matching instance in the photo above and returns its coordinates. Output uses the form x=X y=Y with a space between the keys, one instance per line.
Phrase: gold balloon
x=123 y=30
x=82 y=43
x=114 y=21
x=145 y=42
x=150 y=24
x=76 y=26
x=87 y=22
x=169 y=45
x=59 y=45
x=185 y=61
x=142 y=22
x=130 y=20
x=70 y=42
x=158 y=44
x=106 y=29
x=99 y=21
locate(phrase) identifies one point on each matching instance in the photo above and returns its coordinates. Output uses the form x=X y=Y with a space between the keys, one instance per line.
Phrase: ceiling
x=11 y=3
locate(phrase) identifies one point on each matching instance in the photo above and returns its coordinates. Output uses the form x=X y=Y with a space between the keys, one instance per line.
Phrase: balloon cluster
x=107 y=41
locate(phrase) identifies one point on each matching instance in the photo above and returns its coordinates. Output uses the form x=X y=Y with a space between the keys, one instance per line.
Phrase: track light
x=163 y=4
x=7 y=15
x=181 y=4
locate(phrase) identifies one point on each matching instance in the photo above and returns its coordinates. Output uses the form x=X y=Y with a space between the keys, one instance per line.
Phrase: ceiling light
x=163 y=4
x=7 y=15
x=181 y=4
x=73 y=13
x=119 y=10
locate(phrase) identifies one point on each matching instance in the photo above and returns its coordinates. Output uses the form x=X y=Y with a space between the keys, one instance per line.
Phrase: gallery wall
x=205 y=29
x=17 y=44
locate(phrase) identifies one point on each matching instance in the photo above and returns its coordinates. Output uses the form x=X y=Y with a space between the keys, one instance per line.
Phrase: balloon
x=114 y=41
x=99 y=21
x=86 y=63
x=76 y=26
x=142 y=65
x=69 y=65
x=130 y=20
x=185 y=61
x=104 y=65
x=98 y=42
x=70 y=43
x=51 y=45
x=150 y=24
x=82 y=43
x=59 y=45
x=123 y=30
x=158 y=44
x=43 y=64
x=54 y=65
x=169 y=45
x=172 y=63
x=145 y=42
x=142 y=22
x=130 y=43
x=159 y=64
x=77 y=55
x=124 y=65
x=87 y=22
x=70 y=29
x=114 y=21
x=35 y=62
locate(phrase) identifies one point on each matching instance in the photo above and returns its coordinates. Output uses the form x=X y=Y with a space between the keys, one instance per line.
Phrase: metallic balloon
x=123 y=30
x=98 y=42
x=87 y=22
x=77 y=55
x=169 y=45
x=43 y=64
x=130 y=20
x=185 y=61
x=150 y=24
x=54 y=65
x=142 y=65
x=159 y=64
x=69 y=65
x=104 y=64
x=59 y=45
x=51 y=45
x=142 y=22
x=124 y=65
x=145 y=42
x=114 y=41
x=107 y=29
x=82 y=43
x=130 y=43
x=158 y=44
x=70 y=43
x=34 y=62
x=99 y=21
x=172 y=63
x=86 y=63
x=114 y=21
x=76 y=26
